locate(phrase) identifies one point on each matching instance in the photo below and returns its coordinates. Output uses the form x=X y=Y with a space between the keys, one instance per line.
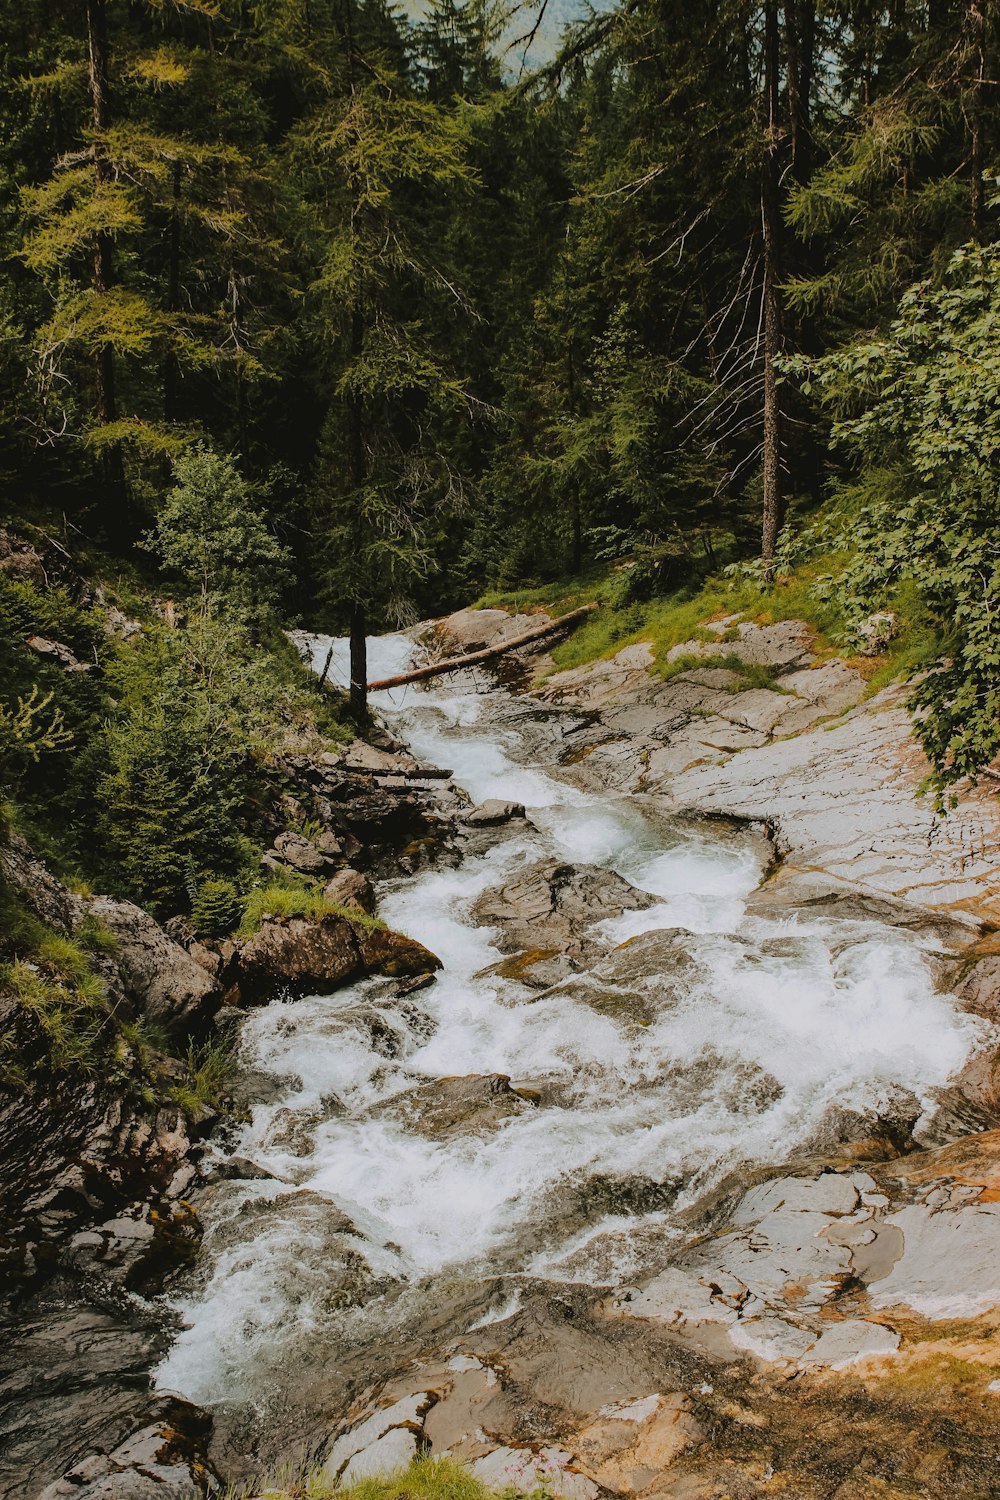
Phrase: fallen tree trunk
x=471 y=658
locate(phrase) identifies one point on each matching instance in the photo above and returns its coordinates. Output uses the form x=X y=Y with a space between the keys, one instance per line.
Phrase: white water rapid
x=778 y=1025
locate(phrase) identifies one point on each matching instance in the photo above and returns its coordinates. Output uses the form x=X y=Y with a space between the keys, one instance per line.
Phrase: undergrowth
x=287 y=897
x=425 y=1478
x=671 y=620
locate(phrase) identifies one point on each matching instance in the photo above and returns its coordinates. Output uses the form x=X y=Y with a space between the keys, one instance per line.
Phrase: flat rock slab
x=456 y=1106
x=491 y=813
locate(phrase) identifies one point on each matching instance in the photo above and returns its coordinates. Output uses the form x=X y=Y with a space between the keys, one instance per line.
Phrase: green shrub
x=216 y=908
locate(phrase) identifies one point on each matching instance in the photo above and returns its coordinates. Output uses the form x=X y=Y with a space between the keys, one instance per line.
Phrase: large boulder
x=168 y=986
x=300 y=954
x=553 y=906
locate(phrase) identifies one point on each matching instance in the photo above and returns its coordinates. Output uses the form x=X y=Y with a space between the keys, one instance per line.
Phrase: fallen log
x=471 y=658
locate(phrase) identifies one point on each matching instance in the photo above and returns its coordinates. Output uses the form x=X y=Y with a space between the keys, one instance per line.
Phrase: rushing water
x=776 y=1026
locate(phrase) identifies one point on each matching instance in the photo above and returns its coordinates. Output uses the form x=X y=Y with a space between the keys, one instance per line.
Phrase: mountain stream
x=372 y=1237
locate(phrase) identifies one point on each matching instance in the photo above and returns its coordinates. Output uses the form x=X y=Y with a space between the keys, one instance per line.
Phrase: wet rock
x=76 y=1409
x=301 y=955
x=352 y=889
x=161 y=1460
x=456 y=1106
x=493 y=812
x=554 y=905
x=168 y=986
x=384 y=951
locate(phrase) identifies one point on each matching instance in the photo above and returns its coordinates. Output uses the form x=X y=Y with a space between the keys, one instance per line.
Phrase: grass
x=285 y=898
x=425 y=1479
x=674 y=619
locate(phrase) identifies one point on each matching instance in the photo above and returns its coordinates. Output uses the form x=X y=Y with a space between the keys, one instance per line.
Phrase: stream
x=371 y=1238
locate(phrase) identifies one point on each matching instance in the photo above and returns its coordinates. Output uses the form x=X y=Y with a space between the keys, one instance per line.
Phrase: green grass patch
x=289 y=898
x=424 y=1479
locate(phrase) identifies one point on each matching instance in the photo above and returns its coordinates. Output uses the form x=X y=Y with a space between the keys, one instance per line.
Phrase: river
x=773 y=1030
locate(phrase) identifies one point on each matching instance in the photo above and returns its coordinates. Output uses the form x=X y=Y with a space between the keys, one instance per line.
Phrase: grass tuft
x=282 y=898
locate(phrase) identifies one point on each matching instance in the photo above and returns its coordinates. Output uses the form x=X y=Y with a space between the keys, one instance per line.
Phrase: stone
x=300 y=954
x=305 y=854
x=526 y=1471
x=400 y=1417
x=492 y=812
x=167 y=985
x=875 y=633
x=851 y=1342
x=948 y=1267
x=387 y=1455
x=57 y=653
x=352 y=889
x=553 y=906
x=456 y=1106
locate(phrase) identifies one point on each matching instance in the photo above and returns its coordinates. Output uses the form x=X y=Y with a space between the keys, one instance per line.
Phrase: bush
x=216 y=909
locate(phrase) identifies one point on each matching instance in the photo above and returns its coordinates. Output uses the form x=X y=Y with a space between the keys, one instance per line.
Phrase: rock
x=527 y=1472
x=46 y=896
x=297 y=953
x=875 y=633
x=477 y=629
x=491 y=813
x=168 y=986
x=19 y=560
x=307 y=856
x=164 y=1458
x=553 y=906
x=57 y=653
x=352 y=889
x=381 y=1443
x=302 y=955
x=631 y=1443
x=456 y=1106
x=384 y=951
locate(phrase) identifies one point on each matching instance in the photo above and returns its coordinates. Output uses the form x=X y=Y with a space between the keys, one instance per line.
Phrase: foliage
x=296 y=897
x=917 y=413
x=211 y=534
x=216 y=908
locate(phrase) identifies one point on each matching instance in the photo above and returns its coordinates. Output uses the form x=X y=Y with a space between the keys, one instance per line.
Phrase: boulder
x=168 y=986
x=306 y=855
x=456 y=1106
x=552 y=906
x=302 y=955
x=19 y=561
x=492 y=812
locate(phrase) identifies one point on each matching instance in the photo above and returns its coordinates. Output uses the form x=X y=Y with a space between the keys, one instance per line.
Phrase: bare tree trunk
x=359 y=664
x=105 y=403
x=771 y=220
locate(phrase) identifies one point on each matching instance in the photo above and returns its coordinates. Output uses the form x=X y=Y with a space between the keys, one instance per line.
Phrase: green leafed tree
x=917 y=414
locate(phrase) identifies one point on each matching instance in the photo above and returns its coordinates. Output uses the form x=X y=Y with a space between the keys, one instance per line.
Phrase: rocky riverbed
x=679 y=1176
x=685 y=1155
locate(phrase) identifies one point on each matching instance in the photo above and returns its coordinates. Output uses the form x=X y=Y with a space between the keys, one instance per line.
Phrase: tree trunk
x=171 y=366
x=800 y=45
x=356 y=476
x=975 y=20
x=359 y=664
x=771 y=221
x=105 y=403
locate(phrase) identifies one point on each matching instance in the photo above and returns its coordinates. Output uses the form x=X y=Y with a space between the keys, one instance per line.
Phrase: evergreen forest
x=327 y=313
